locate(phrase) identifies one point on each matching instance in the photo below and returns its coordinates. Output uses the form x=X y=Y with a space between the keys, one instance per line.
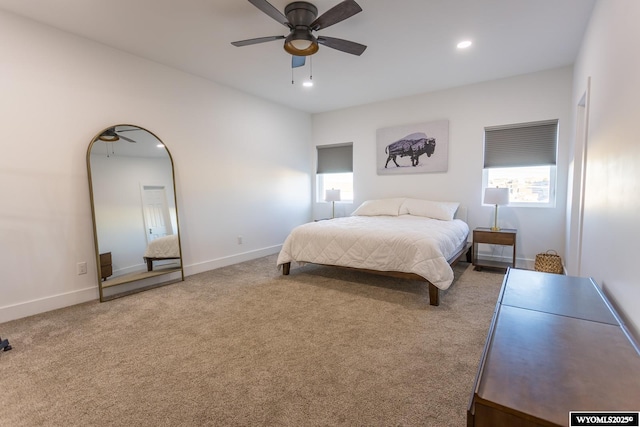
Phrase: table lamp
x=496 y=196
x=332 y=196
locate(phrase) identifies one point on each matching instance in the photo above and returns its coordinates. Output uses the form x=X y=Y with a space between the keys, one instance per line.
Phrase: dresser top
x=555 y=345
x=577 y=297
x=545 y=365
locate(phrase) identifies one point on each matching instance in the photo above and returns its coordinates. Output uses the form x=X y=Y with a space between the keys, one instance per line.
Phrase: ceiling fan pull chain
x=310 y=68
x=291 y=75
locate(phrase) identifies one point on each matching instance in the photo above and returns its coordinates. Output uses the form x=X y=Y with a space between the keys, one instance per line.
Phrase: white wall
x=532 y=97
x=242 y=164
x=609 y=56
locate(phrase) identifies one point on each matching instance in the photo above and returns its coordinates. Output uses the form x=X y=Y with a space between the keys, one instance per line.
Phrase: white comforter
x=163 y=247
x=405 y=243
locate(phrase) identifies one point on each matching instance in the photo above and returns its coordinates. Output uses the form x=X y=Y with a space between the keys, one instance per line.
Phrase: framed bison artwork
x=417 y=148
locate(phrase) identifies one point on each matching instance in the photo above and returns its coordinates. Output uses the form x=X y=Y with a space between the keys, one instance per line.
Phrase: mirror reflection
x=131 y=179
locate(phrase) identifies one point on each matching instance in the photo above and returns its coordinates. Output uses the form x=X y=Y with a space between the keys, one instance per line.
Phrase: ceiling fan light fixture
x=109 y=138
x=301 y=42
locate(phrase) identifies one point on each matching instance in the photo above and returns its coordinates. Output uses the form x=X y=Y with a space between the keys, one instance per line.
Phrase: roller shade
x=335 y=158
x=519 y=145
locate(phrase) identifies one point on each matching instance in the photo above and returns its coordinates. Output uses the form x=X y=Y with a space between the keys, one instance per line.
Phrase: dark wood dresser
x=555 y=345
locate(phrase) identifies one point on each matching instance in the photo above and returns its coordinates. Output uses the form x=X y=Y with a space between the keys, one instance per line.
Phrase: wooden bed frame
x=149 y=261
x=434 y=292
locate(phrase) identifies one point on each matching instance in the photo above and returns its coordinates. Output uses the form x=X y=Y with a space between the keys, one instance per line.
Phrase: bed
x=162 y=248
x=400 y=237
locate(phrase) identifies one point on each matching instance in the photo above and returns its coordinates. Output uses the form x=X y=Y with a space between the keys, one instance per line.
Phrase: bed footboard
x=434 y=292
x=149 y=261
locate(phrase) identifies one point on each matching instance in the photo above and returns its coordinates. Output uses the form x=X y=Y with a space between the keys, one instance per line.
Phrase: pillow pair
x=406 y=206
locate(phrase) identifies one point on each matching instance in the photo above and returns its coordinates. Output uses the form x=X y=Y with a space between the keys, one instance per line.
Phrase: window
x=335 y=170
x=341 y=181
x=522 y=158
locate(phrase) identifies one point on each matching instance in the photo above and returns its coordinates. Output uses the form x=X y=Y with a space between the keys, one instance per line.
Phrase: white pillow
x=437 y=210
x=379 y=207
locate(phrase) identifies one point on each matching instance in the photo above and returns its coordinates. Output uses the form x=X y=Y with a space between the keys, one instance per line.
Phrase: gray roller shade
x=519 y=145
x=335 y=158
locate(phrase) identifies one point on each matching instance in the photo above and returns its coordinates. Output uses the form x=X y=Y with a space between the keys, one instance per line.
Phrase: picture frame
x=413 y=148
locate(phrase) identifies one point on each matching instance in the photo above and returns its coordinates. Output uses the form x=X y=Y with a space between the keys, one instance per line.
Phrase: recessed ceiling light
x=308 y=83
x=464 y=44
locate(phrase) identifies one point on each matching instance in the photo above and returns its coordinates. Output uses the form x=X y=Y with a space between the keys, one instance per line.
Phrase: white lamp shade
x=496 y=196
x=332 y=195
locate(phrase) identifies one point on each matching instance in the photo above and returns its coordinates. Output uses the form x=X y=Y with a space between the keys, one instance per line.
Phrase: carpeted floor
x=245 y=346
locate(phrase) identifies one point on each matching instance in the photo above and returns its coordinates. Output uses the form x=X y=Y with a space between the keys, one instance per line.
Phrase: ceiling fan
x=302 y=20
x=113 y=135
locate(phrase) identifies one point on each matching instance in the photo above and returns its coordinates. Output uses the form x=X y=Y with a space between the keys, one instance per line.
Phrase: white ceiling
x=411 y=43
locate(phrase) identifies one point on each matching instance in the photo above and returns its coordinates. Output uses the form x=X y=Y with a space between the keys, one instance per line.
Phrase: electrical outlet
x=239 y=240
x=82 y=268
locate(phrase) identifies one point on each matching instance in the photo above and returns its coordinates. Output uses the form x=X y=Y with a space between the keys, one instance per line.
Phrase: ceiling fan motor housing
x=300 y=41
x=300 y=13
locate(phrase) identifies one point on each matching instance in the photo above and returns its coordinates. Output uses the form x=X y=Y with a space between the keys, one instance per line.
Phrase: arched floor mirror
x=134 y=209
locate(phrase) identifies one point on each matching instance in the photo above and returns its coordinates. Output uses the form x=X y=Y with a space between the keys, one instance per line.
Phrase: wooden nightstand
x=504 y=236
x=106 y=268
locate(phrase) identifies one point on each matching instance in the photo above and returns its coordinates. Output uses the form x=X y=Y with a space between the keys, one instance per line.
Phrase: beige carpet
x=243 y=345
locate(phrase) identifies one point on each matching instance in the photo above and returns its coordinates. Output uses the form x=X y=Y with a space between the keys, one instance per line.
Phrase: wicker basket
x=549 y=262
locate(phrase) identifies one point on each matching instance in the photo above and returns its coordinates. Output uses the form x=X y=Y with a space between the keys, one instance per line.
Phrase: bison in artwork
x=413 y=145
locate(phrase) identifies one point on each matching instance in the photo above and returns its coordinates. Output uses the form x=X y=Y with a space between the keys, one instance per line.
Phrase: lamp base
x=495 y=220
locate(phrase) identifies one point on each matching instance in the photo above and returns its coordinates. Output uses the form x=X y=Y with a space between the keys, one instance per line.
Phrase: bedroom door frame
x=155 y=211
x=576 y=224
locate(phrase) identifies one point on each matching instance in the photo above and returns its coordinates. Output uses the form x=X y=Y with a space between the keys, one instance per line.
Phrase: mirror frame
x=147 y=280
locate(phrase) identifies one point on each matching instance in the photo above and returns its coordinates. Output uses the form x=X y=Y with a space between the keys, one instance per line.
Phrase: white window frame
x=321 y=188
x=552 y=191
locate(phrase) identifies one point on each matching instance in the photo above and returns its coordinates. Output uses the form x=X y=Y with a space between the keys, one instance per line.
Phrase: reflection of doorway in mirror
x=157 y=221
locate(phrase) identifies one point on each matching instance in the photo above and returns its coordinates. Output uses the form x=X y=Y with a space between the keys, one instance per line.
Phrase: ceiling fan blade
x=270 y=10
x=126 y=139
x=256 y=41
x=297 y=61
x=343 y=45
x=338 y=13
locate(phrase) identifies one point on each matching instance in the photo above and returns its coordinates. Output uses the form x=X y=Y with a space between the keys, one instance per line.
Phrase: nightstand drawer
x=105 y=259
x=494 y=237
x=106 y=268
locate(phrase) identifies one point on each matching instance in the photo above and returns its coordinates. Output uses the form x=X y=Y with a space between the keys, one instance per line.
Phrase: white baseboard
x=201 y=267
x=522 y=263
x=54 y=302
x=42 y=305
